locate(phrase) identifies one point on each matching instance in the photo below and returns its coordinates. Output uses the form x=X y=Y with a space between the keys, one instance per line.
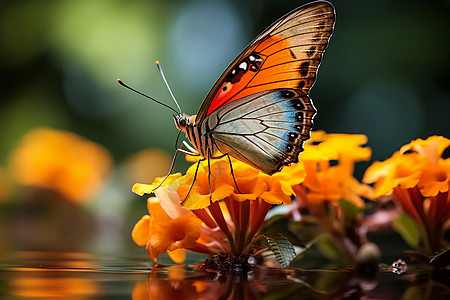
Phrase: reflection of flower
x=42 y=283
x=203 y=224
x=61 y=161
x=181 y=282
x=418 y=178
x=57 y=288
x=330 y=195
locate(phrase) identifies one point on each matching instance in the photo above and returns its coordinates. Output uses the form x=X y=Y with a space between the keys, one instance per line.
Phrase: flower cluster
x=203 y=224
x=330 y=196
x=225 y=202
x=329 y=161
x=418 y=178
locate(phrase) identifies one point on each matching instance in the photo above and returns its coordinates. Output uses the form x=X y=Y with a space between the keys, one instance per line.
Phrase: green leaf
x=282 y=248
x=442 y=259
x=350 y=209
x=408 y=229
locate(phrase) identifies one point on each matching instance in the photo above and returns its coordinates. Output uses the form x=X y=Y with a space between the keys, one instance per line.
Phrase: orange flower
x=419 y=179
x=230 y=226
x=61 y=161
x=325 y=147
x=399 y=170
x=168 y=227
x=251 y=183
x=329 y=162
x=199 y=195
x=415 y=164
x=161 y=234
x=435 y=179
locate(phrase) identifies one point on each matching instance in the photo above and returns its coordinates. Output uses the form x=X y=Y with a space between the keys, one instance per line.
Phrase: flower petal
x=178 y=255
x=141 y=188
x=141 y=231
x=181 y=232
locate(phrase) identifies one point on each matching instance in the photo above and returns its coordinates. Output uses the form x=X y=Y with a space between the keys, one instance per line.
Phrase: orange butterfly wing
x=285 y=55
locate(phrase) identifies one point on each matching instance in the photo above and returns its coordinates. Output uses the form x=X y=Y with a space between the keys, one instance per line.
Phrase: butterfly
x=259 y=110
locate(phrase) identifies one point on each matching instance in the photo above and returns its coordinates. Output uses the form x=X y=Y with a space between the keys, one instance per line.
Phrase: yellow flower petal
x=276 y=195
x=431 y=148
x=335 y=146
x=198 y=200
x=141 y=188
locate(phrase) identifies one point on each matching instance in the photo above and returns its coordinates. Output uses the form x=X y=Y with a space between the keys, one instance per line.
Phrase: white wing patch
x=266 y=129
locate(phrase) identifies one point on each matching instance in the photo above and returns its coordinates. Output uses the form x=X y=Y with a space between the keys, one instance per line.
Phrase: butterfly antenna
x=146 y=96
x=167 y=85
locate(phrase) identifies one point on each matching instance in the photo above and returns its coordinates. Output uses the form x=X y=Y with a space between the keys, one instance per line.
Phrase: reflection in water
x=33 y=286
x=43 y=275
x=178 y=282
x=258 y=284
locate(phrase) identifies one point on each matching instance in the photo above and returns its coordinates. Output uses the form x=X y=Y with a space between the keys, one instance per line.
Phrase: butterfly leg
x=231 y=168
x=193 y=181
x=232 y=173
x=209 y=177
x=173 y=164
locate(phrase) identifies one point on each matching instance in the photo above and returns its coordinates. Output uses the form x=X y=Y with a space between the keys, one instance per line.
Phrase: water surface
x=67 y=275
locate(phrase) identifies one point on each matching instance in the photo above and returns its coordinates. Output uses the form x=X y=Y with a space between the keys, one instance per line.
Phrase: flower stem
x=205 y=217
x=216 y=212
x=258 y=213
x=241 y=229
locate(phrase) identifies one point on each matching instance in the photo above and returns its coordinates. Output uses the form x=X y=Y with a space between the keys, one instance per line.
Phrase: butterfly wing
x=265 y=130
x=285 y=55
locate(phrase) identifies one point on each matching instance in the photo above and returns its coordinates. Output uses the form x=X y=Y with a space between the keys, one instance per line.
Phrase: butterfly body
x=259 y=110
x=197 y=133
x=258 y=118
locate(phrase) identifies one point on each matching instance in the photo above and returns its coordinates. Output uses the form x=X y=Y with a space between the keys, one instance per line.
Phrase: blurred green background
x=385 y=74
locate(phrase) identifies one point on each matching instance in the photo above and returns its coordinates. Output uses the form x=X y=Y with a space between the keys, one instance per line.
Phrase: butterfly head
x=183 y=120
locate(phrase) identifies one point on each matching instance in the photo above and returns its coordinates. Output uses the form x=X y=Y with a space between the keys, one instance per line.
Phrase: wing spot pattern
x=297 y=104
x=304 y=68
x=292 y=136
x=311 y=51
x=252 y=62
x=301 y=85
x=305 y=31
